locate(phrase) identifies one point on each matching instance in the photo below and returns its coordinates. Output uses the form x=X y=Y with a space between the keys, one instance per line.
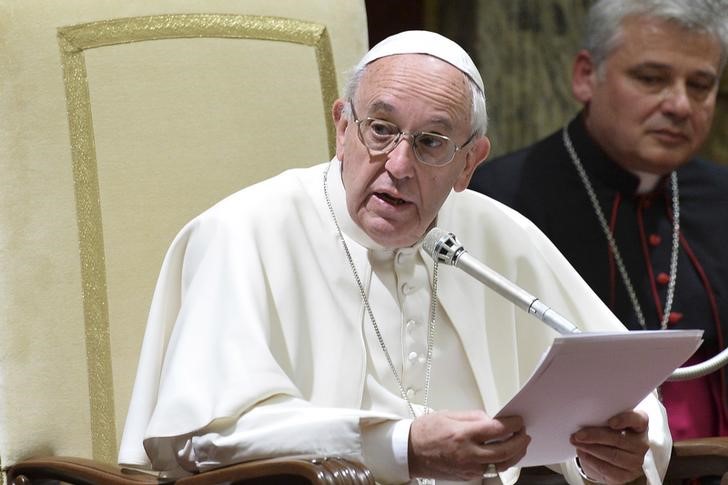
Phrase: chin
x=392 y=242
x=391 y=239
x=386 y=234
x=665 y=161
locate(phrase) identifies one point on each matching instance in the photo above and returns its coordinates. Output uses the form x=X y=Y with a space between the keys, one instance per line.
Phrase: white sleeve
x=658 y=456
x=385 y=446
x=283 y=426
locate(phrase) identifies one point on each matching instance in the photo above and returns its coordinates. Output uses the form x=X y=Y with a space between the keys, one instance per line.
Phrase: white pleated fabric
x=256 y=343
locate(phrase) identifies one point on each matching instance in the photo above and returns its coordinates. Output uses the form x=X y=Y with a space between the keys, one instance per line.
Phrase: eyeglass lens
x=382 y=136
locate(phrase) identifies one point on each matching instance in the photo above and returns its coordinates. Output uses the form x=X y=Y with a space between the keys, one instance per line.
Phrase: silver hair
x=478 y=110
x=603 y=23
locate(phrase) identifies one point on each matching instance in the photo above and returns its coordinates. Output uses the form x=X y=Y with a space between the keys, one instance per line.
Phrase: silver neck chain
x=613 y=244
x=431 y=324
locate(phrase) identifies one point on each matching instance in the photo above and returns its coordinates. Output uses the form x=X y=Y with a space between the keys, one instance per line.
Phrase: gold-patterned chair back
x=119 y=122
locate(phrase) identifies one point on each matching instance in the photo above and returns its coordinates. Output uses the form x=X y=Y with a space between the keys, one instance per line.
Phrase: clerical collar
x=337 y=194
x=648 y=181
x=600 y=166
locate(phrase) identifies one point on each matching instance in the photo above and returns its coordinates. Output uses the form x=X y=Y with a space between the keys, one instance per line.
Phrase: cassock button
x=412 y=356
x=663 y=278
x=410 y=393
x=674 y=317
x=654 y=239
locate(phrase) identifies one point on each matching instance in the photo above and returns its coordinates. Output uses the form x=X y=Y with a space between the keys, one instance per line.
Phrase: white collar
x=648 y=181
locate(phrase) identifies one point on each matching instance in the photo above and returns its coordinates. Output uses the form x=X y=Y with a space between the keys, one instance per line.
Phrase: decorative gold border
x=73 y=41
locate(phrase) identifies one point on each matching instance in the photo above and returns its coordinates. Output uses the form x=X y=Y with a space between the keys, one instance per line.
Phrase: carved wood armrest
x=293 y=470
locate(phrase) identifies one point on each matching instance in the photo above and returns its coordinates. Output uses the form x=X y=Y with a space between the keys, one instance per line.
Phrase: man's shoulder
x=702 y=167
x=704 y=179
x=508 y=162
x=268 y=200
x=541 y=148
x=501 y=176
x=704 y=172
x=471 y=208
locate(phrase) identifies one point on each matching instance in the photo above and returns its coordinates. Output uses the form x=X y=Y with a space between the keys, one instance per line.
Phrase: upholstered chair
x=119 y=122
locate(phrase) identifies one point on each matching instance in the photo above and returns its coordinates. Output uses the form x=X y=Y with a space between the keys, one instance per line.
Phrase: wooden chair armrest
x=690 y=459
x=79 y=471
x=698 y=457
x=701 y=446
x=295 y=470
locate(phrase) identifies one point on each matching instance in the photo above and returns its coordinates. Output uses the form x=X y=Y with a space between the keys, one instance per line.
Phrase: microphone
x=444 y=247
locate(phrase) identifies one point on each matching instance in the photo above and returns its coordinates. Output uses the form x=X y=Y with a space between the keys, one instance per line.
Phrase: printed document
x=586 y=378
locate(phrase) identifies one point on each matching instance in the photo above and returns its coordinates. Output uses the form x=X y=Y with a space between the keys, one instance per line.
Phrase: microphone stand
x=444 y=247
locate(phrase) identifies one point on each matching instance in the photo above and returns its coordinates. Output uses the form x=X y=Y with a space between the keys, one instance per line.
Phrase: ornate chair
x=119 y=122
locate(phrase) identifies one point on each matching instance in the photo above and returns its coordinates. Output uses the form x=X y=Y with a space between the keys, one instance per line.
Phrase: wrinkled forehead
x=416 y=85
x=647 y=40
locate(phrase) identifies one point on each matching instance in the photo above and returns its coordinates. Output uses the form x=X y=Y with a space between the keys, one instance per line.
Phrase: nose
x=401 y=159
x=676 y=102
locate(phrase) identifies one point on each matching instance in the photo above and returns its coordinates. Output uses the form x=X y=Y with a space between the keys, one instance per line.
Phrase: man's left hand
x=614 y=453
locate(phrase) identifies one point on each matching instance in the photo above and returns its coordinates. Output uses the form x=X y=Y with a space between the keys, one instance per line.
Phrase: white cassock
x=258 y=343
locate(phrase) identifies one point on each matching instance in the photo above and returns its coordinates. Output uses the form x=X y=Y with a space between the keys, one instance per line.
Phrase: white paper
x=585 y=379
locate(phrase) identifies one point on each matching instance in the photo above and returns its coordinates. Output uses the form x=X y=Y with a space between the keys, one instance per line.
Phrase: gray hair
x=478 y=110
x=603 y=23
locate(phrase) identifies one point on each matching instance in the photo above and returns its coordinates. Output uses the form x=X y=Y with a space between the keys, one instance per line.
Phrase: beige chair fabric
x=120 y=121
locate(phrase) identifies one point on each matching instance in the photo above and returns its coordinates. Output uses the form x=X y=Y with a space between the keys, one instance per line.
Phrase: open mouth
x=389 y=199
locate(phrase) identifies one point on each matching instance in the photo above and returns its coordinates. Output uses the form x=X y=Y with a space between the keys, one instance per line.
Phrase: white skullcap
x=424 y=42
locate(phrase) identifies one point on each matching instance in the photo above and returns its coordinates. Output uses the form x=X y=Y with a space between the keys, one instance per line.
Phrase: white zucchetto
x=424 y=42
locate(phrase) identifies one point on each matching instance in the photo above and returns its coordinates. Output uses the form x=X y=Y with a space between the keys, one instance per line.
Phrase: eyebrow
x=379 y=106
x=709 y=75
x=384 y=107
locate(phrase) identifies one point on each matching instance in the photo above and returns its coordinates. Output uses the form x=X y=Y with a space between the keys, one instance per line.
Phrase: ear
x=475 y=156
x=340 y=122
x=583 y=77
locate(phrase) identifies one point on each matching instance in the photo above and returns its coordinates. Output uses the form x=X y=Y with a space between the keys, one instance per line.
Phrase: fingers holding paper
x=614 y=453
x=461 y=445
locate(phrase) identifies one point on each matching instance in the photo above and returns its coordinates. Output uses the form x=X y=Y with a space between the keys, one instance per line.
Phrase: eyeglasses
x=381 y=137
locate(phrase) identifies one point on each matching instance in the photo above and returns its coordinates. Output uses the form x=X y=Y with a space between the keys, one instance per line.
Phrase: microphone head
x=442 y=246
x=432 y=238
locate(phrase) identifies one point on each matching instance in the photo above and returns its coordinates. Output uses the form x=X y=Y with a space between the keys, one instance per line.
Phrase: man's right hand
x=459 y=445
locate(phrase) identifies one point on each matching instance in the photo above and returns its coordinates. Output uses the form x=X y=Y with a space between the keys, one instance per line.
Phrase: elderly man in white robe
x=301 y=315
